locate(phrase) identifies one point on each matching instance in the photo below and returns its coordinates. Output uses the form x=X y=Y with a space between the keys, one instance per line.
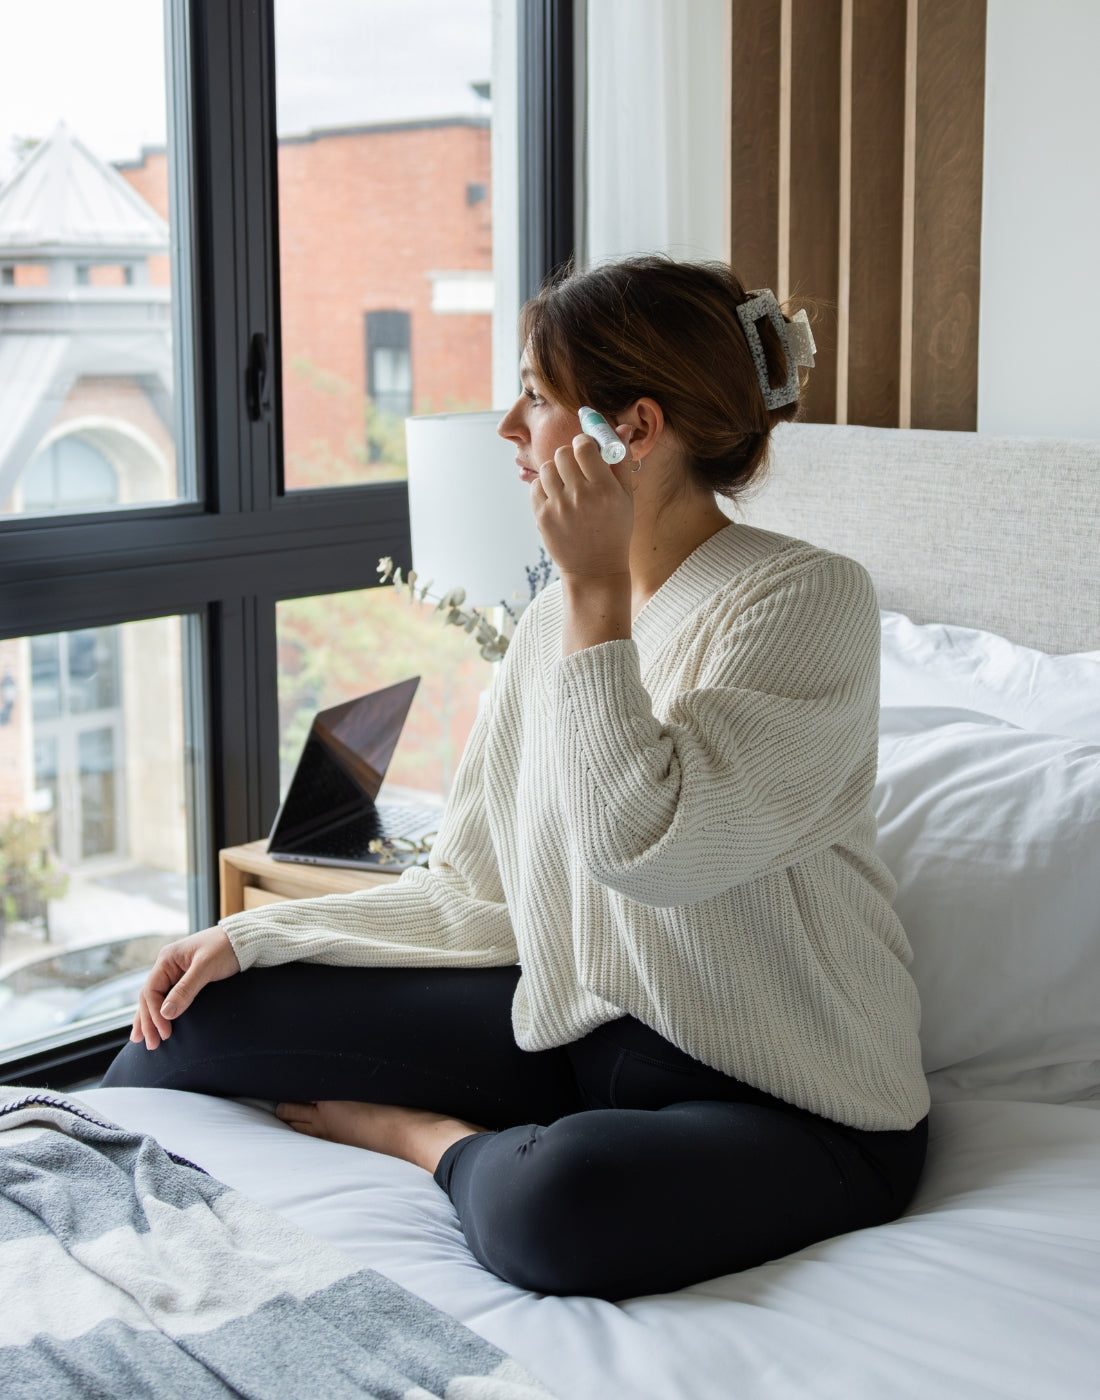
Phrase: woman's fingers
x=148 y=1026
x=158 y=985
x=179 y=974
x=160 y=1023
x=585 y=458
x=179 y=998
x=549 y=479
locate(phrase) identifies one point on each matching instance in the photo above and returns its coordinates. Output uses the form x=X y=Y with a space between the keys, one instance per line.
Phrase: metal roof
x=63 y=201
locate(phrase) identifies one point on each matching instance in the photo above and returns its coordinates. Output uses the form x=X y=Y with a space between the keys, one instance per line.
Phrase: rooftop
x=63 y=201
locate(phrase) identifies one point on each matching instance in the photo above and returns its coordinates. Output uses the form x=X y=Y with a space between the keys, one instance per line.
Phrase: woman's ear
x=646 y=423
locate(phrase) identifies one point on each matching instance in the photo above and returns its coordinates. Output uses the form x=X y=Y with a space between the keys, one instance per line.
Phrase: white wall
x=1039 y=337
x=656 y=128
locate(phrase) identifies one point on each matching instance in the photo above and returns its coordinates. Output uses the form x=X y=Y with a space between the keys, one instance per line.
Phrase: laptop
x=330 y=815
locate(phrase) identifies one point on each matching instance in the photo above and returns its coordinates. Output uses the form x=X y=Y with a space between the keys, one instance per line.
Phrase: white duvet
x=988 y=1287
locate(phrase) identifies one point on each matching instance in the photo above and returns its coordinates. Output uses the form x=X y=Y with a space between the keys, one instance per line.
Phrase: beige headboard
x=993 y=532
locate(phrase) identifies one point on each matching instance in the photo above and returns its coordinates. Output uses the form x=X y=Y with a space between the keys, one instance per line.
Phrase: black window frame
x=246 y=544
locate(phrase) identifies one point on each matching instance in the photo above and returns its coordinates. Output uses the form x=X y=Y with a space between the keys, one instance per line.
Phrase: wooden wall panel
x=856 y=151
x=754 y=117
x=877 y=171
x=814 y=186
x=947 y=222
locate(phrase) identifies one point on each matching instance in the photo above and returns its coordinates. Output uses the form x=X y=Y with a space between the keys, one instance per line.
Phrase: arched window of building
x=69 y=475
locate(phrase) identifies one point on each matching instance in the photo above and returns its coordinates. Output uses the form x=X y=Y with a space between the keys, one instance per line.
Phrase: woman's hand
x=180 y=972
x=584 y=510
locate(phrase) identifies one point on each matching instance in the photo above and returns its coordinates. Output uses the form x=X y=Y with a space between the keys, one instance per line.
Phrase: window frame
x=245 y=544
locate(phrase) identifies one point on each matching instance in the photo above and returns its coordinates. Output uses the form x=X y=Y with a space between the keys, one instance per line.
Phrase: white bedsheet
x=989 y=1287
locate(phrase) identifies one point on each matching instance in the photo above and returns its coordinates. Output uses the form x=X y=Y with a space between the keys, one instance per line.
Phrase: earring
x=637 y=465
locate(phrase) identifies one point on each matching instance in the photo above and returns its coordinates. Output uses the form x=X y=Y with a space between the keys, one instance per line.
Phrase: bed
x=983 y=552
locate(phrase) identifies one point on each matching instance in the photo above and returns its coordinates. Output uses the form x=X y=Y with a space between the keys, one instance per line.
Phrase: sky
x=99 y=65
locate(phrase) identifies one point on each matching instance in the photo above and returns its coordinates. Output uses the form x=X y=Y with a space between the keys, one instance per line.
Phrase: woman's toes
x=299 y=1116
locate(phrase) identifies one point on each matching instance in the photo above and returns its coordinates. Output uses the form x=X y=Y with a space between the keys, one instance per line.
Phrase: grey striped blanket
x=128 y=1272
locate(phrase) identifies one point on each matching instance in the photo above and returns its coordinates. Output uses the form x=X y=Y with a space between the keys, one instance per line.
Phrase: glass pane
x=92 y=670
x=96 y=777
x=45 y=676
x=98 y=815
x=336 y=647
x=384 y=226
x=92 y=264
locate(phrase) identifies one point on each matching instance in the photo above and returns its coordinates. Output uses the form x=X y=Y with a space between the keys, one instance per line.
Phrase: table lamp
x=469 y=512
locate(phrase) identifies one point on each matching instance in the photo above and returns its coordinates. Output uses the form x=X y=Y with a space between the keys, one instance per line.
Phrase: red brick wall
x=31 y=275
x=364 y=216
x=150 y=179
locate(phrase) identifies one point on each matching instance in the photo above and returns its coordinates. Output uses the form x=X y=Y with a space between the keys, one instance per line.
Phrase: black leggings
x=617 y=1165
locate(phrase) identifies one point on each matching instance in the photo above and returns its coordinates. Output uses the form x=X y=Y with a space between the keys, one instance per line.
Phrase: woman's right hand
x=180 y=972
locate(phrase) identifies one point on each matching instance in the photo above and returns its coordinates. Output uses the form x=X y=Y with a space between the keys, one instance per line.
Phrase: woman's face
x=537 y=424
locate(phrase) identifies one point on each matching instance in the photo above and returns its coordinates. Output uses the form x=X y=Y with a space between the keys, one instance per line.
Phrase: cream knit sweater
x=677 y=827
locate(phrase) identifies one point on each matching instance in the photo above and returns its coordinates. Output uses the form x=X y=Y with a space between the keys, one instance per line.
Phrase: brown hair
x=649 y=327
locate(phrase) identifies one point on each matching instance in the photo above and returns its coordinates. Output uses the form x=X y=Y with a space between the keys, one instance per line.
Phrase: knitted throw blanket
x=127 y=1271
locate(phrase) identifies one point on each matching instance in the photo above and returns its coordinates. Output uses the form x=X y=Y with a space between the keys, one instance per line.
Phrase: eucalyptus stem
x=492 y=641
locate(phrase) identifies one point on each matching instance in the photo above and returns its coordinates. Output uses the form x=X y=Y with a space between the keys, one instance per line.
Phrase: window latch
x=257 y=383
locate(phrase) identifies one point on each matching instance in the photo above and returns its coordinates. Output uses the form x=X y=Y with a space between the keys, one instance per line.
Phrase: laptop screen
x=329 y=806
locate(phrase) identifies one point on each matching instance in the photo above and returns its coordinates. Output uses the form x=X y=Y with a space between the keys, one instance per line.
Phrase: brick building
x=385 y=274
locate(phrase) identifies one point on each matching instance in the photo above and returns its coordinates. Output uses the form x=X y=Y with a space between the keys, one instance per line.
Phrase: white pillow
x=993 y=835
x=940 y=664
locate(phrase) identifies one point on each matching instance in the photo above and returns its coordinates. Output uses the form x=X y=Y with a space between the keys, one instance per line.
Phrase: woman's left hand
x=584 y=509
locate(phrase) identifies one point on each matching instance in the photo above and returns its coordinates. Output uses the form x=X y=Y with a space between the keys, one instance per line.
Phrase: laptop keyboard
x=408 y=820
x=400 y=820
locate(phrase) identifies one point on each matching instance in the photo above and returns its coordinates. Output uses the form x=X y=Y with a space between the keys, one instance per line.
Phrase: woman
x=646 y=1016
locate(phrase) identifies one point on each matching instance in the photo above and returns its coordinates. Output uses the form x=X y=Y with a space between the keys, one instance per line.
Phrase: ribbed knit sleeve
x=451 y=914
x=766 y=759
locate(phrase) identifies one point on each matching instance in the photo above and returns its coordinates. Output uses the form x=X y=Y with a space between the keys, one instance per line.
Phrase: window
x=389 y=363
x=334 y=648
x=166 y=499
x=69 y=474
x=98 y=809
x=374 y=168
x=93 y=323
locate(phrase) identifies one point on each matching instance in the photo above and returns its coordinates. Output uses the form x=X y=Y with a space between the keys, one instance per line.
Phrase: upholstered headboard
x=994 y=532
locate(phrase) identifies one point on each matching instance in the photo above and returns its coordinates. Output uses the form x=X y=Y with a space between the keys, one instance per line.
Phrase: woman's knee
x=535 y=1204
x=186 y=1059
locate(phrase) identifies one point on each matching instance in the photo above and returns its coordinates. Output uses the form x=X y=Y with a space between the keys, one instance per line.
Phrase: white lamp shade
x=470 y=514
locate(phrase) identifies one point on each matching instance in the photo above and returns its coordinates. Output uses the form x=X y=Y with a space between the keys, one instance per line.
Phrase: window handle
x=257 y=384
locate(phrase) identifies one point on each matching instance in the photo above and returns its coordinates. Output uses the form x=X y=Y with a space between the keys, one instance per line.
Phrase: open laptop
x=329 y=815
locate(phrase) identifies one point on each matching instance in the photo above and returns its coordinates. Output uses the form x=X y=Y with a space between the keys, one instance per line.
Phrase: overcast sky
x=99 y=65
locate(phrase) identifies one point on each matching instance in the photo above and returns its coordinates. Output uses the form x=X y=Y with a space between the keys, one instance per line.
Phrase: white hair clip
x=795 y=335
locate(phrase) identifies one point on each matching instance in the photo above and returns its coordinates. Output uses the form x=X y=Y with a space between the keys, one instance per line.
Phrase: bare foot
x=415 y=1135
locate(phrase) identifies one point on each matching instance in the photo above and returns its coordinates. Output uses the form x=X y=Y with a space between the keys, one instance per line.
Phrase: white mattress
x=988 y=1287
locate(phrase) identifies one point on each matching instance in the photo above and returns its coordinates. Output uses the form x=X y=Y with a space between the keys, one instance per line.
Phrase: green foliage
x=28 y=875
x=376 y=452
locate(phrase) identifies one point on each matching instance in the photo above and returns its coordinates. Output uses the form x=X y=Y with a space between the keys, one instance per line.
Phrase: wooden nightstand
x=249 y=878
